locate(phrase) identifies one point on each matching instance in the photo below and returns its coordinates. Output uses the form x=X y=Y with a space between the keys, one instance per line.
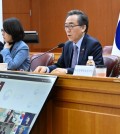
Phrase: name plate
x=83 y=70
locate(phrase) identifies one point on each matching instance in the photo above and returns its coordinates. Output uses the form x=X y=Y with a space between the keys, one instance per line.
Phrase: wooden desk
x=81 y=105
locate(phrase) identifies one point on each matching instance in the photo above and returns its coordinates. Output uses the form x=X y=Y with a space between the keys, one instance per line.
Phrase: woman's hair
x=82 y=17
x=13 y=27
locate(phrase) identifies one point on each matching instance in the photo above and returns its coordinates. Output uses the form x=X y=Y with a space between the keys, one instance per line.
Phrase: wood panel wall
x=48 y=19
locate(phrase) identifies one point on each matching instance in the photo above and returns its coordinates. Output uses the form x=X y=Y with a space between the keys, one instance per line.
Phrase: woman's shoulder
x=21 y=44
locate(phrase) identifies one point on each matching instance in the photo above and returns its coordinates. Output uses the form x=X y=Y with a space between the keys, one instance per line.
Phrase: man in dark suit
x=76 y=27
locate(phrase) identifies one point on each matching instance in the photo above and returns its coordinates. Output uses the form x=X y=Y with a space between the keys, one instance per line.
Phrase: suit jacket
x=18 y=58
x=1 y=47
x=89 y=47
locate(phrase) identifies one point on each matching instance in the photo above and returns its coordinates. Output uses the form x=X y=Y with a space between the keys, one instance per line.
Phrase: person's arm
x=17 y=60
x=63 y=63
x=97 y=54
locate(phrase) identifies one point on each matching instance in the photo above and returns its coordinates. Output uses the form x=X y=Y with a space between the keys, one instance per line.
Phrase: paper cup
x=101 y=71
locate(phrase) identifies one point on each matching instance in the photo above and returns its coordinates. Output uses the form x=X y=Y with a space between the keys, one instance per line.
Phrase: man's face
x=73 y=30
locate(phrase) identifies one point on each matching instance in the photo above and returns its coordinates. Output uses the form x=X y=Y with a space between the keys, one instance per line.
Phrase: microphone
x=58 y=46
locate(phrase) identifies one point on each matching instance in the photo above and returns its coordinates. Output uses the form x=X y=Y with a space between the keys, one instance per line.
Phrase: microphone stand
x=59 y=46
x=44 y=53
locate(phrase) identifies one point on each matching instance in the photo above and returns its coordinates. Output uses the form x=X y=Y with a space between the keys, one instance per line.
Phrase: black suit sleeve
x=1 y=47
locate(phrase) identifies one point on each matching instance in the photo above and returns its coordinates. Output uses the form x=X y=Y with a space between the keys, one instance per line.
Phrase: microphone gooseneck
x=58 y=46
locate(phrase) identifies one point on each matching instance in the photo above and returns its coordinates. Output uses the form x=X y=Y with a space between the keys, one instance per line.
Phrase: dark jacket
x=89 y=47
x=1 y=47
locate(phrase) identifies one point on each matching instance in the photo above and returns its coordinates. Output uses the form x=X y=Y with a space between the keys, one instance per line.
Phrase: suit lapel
x=82 y=50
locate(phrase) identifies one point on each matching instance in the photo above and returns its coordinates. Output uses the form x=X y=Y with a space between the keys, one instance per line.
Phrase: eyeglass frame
x=70 y=26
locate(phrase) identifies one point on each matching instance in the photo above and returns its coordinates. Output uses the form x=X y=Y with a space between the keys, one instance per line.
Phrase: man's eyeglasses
x=70 y=26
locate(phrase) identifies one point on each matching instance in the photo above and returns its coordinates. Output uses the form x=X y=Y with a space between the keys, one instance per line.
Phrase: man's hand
x=40 y=69
x=59 y=71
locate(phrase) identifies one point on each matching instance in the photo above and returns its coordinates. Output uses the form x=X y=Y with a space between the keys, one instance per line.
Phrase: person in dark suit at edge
x=1 y=47
x=76 y=27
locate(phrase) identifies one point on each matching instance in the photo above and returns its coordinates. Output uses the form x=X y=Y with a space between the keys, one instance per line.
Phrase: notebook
x=22 y=96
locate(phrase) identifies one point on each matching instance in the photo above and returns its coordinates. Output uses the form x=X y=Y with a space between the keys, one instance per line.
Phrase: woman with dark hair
x=15 y=51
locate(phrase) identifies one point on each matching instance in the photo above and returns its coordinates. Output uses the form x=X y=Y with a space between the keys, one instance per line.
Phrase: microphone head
x=61 y=45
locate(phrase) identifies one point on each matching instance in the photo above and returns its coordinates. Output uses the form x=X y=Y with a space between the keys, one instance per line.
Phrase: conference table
x=81 y=105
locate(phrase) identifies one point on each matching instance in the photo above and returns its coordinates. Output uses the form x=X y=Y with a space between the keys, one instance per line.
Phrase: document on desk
x=21 y=100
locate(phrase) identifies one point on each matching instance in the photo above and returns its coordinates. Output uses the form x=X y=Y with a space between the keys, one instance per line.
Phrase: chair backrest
x=107 y=50
x=111 y=62
x=116 y=70
x=41 y=59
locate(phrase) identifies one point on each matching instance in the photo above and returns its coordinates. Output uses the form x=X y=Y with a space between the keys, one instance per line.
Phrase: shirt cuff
x=66 y=71
x=47 y=70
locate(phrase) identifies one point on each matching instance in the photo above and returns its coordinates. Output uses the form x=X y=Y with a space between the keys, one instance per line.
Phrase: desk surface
x=81 y=105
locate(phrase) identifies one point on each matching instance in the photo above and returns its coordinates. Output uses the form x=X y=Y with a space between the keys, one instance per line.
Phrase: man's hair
x=82 y=18
x=13 y=27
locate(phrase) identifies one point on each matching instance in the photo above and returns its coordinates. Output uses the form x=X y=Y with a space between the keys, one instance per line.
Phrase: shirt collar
x=78 y=44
